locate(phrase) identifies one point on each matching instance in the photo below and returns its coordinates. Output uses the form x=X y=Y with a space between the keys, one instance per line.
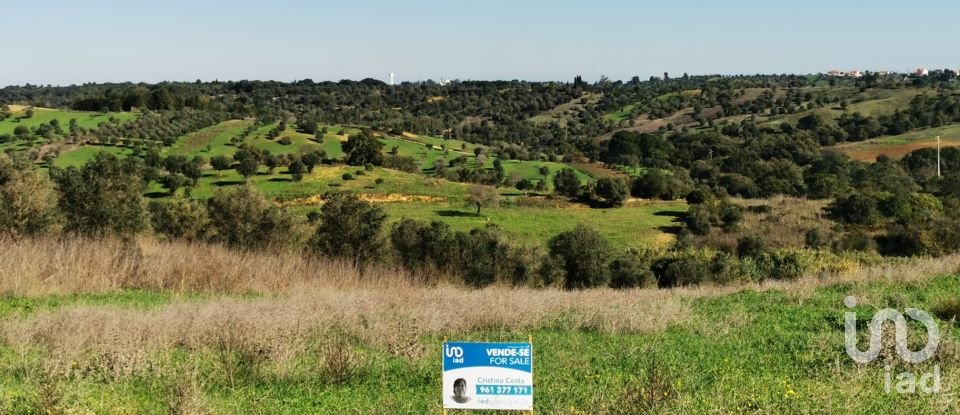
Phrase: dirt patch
x=434 y=99
x=17 y=108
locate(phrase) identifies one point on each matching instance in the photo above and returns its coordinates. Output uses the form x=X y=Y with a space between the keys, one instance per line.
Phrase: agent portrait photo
x=460 y=391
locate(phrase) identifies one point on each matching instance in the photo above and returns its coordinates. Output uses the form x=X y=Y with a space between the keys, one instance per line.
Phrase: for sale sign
x=488 y=376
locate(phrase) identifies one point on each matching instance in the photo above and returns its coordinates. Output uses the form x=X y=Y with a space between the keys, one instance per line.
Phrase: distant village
x=917 y=72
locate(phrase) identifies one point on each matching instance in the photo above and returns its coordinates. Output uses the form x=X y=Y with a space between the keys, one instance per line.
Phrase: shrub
x=349 y=228
x=907 y=240
x=419 y=245
x=296 y=169
x=630 y=269
x=566 y=183
x=751 y=246
x=681 y=270
x=286 y=141
x=856 y=241
x=855 y=209
x=103 y=197
x=784 y=265
x=698 y=220
x=347 y=176
x=584 y=254
x=379 y=181
x=28 y=203
x=179 y=219
x=485 y=255
x=730 y=215
x=242 y=218
x=700 y=195
x=611 y=192
x=362 y=149
x=817 y=238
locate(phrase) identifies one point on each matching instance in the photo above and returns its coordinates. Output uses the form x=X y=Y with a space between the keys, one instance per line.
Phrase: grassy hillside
x=524 y=215
x=900 y=145
x=279 y=333
x=44 y=116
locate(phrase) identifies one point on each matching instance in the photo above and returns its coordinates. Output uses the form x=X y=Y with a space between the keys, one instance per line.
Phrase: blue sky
x=63 y=42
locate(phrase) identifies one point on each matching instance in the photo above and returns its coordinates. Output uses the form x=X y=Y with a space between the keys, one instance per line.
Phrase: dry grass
x=305 y=298
x=38 y=267
x=783 y=226
x=391 y=318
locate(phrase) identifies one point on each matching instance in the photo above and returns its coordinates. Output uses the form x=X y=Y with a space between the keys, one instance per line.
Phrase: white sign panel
x=488 y=376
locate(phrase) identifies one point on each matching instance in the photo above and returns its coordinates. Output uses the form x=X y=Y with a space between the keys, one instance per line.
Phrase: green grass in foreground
x=750 y=352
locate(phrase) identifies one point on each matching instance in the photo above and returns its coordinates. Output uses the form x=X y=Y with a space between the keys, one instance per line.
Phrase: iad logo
x=907 y=382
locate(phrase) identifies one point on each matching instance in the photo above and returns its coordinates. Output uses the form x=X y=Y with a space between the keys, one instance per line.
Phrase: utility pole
x=938 y=156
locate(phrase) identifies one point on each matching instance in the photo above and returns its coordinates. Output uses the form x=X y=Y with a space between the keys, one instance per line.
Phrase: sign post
x=496 y=376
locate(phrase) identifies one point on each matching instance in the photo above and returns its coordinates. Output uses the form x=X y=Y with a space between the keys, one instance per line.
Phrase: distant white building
x=835 y=72
x=921 y=72
x=855 y=74
x=883 y=73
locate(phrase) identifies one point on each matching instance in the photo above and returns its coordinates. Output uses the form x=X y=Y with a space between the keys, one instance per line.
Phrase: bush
x=751 y=246
x=420 y=245
x=349 y=228
x=362 y=149
x=683 y=269
x=286 y=141
x=179 y=219
x=584 y=254
x=242 y=218
x=28 y=203
x=786 y=265
x=700 y=195
x=817 y=238
x=856 y=241
x=855 y=209
x=611 y=192
x=904 y=241
x=730 y=215
x=485 y=255
x=103 y=197
x=347 y=176
x=566 y=183
x=698 y=220
x=630 y=269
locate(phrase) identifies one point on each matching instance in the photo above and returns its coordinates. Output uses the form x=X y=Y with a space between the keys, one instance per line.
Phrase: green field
x=630 y=226
x=80 y=155
x=43 y=116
